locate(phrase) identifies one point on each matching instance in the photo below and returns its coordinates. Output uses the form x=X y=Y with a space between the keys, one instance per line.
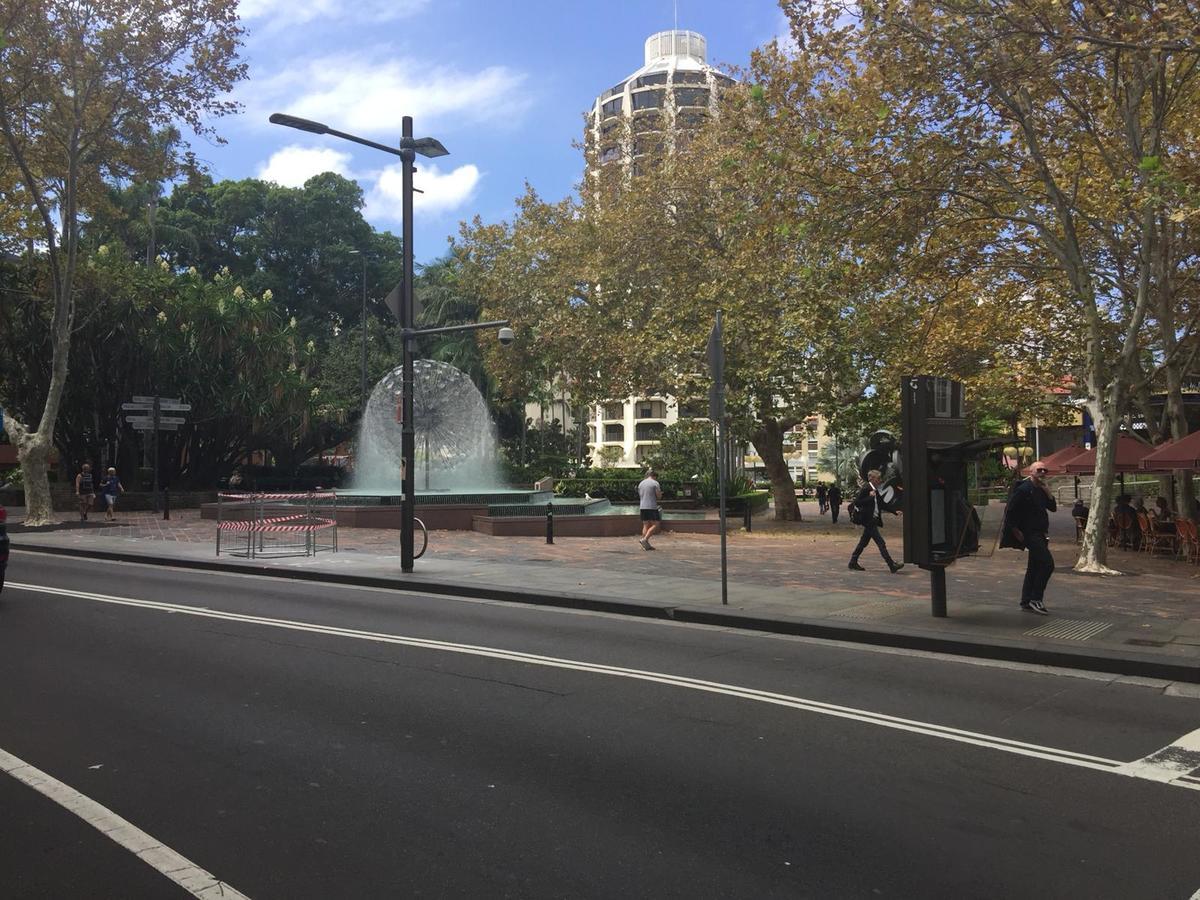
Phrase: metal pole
x=408 y=436
x=549 y=523
x=362 y=391
x=937 y=592
x=721 y=464
x=157 y=416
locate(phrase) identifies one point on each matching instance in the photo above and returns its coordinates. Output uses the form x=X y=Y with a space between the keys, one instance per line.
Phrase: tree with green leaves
x=1050 y=150
x=83 y=86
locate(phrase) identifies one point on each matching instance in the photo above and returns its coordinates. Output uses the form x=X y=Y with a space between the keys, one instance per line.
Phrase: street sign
x=148 y=421
x=137 y=399
x=130 y=407
x=175 y=407
x=150 y=427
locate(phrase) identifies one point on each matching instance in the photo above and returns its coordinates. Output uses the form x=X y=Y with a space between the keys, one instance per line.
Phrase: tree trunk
x=33 y=452
x=1094 y=550
x=768 y=441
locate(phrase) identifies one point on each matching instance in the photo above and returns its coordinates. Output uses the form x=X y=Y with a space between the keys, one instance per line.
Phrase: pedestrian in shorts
x=110 y=488
x=649 y=493
x=85 y=490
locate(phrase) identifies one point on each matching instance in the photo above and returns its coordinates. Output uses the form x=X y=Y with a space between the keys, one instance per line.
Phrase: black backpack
x=855 y=512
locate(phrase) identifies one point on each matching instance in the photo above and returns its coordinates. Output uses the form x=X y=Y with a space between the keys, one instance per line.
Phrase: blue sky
x=502 y=85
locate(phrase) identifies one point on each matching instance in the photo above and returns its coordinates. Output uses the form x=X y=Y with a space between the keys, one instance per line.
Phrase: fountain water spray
x=455 y=436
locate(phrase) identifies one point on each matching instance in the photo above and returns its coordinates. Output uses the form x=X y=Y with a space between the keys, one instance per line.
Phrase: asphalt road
x=300 y=740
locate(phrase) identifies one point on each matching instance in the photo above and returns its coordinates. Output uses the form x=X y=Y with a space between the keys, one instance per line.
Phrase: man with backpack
x=866 y=510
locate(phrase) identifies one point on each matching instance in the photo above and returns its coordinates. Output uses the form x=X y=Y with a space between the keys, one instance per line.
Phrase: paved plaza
x=777 y=571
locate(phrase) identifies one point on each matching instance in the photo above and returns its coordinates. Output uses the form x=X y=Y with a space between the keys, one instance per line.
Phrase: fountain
x=457 y=473
x=454 y=435
x=457 y=477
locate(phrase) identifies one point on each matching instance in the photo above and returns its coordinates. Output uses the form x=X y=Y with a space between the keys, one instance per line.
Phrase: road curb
x=1113 y=662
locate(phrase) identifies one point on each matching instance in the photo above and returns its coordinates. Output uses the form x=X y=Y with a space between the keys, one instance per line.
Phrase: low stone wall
x=63 y=499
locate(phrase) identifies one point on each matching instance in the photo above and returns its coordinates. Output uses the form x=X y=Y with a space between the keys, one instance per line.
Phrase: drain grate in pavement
x=1144 y=642
x=868 y=611
x=1070 y=629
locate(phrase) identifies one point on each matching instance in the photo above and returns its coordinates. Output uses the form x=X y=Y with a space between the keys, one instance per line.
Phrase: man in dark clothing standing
x=1025 y=525
x=821 y=496
x=871 y=505
x=835 y=501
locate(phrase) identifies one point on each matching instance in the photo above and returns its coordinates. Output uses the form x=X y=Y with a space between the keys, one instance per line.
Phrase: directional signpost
x=146 y=414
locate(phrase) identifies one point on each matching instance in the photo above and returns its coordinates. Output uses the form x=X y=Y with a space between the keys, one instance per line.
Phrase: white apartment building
x=656 y=107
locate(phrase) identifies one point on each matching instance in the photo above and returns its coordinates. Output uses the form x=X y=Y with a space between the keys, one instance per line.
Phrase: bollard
x=166 y=504
x=549 y=523
x=748 y=515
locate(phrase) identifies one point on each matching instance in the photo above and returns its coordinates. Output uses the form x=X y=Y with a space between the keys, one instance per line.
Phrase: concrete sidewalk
x=789 y=578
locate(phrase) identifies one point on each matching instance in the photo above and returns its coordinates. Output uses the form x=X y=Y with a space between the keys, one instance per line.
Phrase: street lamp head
x=296 y=122
x=506 y=336
x=428 y=147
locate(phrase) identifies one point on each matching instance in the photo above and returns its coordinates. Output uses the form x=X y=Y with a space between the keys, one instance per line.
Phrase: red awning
x=1181 y=454
x=1130 y=452
x=1055 y=461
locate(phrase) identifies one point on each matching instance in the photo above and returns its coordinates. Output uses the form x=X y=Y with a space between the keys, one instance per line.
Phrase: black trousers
x=871 y=533
x=834 y=510
x=1038 y=569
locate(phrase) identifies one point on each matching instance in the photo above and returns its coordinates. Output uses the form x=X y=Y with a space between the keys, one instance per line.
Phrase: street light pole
x=407 y=152
x=407 y=434
x=363 y=386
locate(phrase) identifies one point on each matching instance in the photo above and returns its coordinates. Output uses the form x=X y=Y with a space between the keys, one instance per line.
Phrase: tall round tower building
x=654 y=109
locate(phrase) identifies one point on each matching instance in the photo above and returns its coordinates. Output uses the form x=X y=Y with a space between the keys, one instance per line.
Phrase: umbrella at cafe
x=1055 y=461
x=1183 y=453
x=1128 y=458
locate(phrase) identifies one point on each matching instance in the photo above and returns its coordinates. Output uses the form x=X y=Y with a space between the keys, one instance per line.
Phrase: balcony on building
x=614 y=412
x=647 y=99
x=648 y=432
x=614 y=434
x=651 y=409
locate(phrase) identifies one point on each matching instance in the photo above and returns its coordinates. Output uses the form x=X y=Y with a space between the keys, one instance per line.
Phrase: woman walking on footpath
x=110 y=488
x=85 y=490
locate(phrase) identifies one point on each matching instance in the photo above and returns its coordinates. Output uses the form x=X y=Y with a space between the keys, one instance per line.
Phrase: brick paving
x=781 y=569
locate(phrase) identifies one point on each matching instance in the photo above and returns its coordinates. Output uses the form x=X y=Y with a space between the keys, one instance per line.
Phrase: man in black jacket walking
x=1025 y=525
x=870 y=506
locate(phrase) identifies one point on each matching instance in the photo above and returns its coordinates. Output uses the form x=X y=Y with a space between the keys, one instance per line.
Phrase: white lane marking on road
x=929 y=729
x=1172 y=762
x=1182 y=688
x=179 y=869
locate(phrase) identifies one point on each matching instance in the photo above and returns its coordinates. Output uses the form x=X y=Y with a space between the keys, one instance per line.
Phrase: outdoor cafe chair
x=1156 y=537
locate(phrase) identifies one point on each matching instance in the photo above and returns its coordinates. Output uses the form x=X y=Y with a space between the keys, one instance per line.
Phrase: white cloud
x=369 y=97
x=291 y=13
x=443 y=191
x=294 y=165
